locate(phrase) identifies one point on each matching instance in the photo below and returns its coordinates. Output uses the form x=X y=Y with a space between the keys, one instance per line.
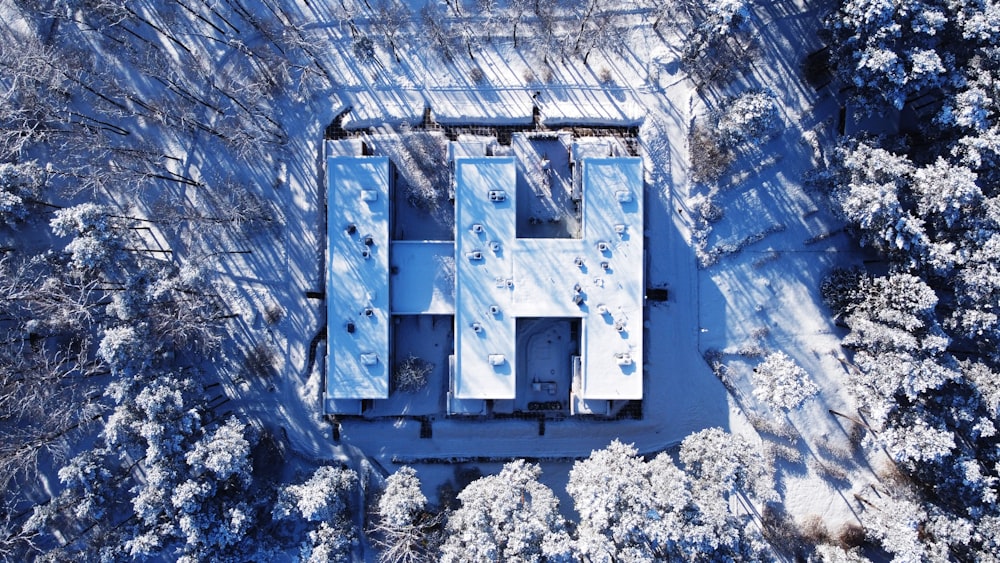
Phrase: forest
x=142 y=143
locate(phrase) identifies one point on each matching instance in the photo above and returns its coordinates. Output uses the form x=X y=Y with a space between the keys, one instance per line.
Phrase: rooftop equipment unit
x=497 y=195
x=623 y=196
x=475 y=255
x=578 y=261
x=624 y=358
x=620 y=228
x=496 y=359
x=369 y=358
x=603 y=246
x=369 y=195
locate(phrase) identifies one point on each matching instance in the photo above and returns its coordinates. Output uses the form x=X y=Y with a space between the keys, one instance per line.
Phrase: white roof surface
x=484 y=338
x=612 y=201
x=357 y=293
x=542 y=277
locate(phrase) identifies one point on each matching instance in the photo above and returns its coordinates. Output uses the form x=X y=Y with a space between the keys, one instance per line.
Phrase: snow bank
x=591 y=107
x=493 y=106
x=370 y=108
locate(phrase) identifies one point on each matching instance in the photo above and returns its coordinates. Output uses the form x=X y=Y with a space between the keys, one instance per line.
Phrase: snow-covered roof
x=485 y=214
x=423 y=277
x=597 y=278
x=357 y=292
x=469 y=146
x=613 y=233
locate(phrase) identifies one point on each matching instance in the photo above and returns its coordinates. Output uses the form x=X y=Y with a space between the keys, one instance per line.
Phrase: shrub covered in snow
x=751 y=117
x=410 y=375
x=781 y=383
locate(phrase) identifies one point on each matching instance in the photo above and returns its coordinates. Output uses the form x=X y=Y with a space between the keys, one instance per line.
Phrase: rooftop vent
x=496 y=359
x=605 y=265
x=623 y=196
x=369 y=195
x=477 y=228
x=369 y=358
x=476 y=327
x=497 y=195
x=624 y=358
x=495 y=245
x=602 y=309
x=365 y=253
x=474 y=255
x=604 y=246
x=369 y=240
x=350 y=327
x=620 y=326
x=351 y=229
x=578 y=261
x=494 y=310
x=620 y=228
x=369 y=312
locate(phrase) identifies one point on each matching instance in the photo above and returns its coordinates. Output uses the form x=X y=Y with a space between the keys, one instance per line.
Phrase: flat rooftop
x=357 y=280
x=484 y=326
x=597 y=278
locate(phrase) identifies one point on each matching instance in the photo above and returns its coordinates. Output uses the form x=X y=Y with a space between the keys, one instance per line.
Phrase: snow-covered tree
x=507 y=517
x=916 y=442
x=869 y=195
x=96 y=242
x=403 y=527
x=212 y=512
x=943 y=191
x=888 y=51
x=322 y=497
x=751 y=117
x=610 y=492
x=634 y=510
x=323 y=501
x=781 y=383
x=18 y=184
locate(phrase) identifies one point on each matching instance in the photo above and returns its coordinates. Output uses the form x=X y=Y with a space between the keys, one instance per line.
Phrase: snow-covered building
x=357 y=281
x=541 y=321
x=596 y=279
